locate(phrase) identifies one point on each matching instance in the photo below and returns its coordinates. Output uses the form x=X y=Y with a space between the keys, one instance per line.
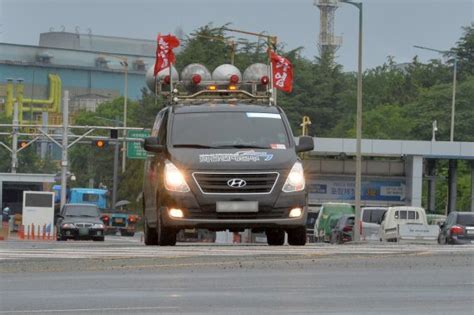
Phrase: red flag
x=164 y=52
x=282 y=73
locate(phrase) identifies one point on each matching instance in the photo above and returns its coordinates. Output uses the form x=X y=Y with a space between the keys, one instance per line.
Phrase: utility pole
x=64 y=157
x=15 y=138
x=124 y=153
x=453 y=102
x=358 y=179
x=116 y=162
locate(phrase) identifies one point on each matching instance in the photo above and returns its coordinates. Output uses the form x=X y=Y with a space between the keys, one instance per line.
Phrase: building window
x=101 y=62
x=139 y=65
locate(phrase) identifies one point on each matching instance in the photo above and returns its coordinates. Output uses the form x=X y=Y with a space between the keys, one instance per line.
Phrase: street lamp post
x=124 y=63
x=358 y=179
x=453 y=100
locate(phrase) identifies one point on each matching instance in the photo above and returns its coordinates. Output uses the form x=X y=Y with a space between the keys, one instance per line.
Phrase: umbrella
x=122 y=203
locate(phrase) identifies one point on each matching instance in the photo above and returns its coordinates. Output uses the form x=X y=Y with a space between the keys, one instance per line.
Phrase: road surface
x=121 y=276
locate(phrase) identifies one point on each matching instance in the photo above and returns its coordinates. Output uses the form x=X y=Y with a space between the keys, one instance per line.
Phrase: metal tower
x=328 y=42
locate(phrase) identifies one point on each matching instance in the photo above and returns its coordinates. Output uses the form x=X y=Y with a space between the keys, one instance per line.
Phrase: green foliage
x=464 y=51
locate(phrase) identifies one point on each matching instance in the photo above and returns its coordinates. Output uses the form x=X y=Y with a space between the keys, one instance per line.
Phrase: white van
x=407 y=224
x=371 y=218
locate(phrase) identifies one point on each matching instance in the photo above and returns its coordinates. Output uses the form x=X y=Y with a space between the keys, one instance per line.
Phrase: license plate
x=83 y=231
x=119 y=220
x=236 y=206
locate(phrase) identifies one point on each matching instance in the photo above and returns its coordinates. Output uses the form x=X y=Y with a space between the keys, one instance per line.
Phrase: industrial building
x=93 y=68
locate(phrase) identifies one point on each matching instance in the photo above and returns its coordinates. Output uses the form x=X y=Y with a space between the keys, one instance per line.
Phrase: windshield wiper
x=86 y=215
x=186 y=145
x=242 y=146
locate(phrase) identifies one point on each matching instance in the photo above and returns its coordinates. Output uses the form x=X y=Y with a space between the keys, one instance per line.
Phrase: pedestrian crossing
x=135 y=249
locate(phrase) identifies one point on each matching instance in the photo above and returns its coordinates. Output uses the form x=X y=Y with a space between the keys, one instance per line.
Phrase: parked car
x=80 y=221
x=342 y=232
x=371 y=219
x=328 y=215
x=407 y=224
x=458 y=229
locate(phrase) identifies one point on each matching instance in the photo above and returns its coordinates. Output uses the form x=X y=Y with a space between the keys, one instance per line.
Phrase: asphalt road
x=121 y=276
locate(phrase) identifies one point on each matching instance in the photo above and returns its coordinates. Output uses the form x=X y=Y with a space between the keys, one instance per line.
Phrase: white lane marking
x=211 y=250
x=104 y=309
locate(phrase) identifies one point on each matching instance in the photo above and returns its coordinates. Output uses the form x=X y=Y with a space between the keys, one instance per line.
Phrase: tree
x=464 y=51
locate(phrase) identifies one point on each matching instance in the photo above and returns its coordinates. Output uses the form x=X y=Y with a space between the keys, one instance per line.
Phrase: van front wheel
x=275 y=237
x=150 y=235
x=166 y=236
x=297 y=237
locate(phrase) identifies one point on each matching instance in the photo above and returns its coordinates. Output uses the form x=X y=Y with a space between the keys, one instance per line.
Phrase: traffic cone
x=21 y=232
x=32 y=231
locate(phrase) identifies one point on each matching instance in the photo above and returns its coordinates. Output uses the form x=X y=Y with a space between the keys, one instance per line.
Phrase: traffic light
x=100 y=143
x=22 y=143
x=113 y=133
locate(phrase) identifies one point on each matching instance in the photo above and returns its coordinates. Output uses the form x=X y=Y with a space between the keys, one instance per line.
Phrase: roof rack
x=213 y=91
x=197 y=86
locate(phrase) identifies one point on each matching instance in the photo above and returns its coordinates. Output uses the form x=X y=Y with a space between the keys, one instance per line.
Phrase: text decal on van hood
x=241 y=156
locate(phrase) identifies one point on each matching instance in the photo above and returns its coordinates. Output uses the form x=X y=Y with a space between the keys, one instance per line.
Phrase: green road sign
x=135 y=149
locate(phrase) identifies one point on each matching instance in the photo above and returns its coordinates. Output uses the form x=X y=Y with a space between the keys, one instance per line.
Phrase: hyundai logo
x=236 y=183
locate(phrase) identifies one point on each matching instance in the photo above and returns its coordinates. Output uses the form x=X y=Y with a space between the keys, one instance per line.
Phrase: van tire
x=275 y=237
x=151 y=238
x=297 y=237
x=165 y=236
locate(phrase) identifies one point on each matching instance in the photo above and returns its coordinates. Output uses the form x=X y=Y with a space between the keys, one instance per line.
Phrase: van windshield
x=229 y=130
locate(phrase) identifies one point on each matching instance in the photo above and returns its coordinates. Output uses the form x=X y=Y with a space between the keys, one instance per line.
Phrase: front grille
x=83 y=225
x=212 y=215
x=216 y=183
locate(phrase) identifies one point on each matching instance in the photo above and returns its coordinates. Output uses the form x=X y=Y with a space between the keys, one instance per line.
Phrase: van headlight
x=174 y=179
x=97 y=226
x=295 y=180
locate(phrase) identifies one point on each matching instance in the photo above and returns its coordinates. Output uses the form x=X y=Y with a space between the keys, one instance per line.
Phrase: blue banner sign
x=342 y=189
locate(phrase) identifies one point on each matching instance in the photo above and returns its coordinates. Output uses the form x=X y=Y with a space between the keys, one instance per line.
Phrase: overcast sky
x=391 y=27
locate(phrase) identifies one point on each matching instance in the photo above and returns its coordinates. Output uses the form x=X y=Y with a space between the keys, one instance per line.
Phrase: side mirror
x=152 y=145
x=305 y=144
x=58 y=216
x=441 y=224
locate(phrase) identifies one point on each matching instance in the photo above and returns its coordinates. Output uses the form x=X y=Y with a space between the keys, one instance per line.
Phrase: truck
x=222 y=156
x=407 y=225
x=115 y=219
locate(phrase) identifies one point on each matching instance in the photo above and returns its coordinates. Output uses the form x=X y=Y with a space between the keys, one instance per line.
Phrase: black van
x=224 y=165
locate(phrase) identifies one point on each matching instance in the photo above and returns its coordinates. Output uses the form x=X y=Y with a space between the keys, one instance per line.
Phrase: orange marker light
x=212 y=87
x=232 y=87
x=100 y=143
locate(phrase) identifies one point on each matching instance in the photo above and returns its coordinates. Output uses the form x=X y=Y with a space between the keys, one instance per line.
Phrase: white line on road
x=105 y=309
x=212 y=250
